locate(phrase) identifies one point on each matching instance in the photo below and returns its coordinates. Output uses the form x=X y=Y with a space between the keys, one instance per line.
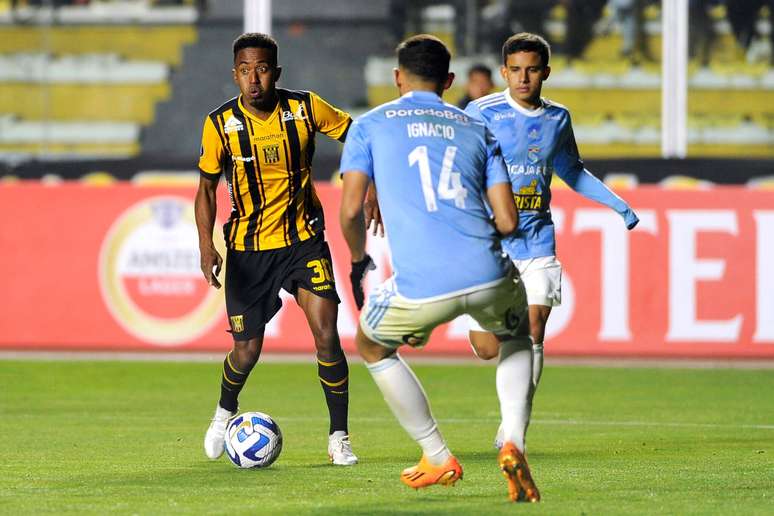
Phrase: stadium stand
x=80 y=82
x=616 y=101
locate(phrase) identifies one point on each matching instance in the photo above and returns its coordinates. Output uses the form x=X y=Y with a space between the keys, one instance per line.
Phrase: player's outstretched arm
x=506 y=216
x=569 y=167
x=205 y=208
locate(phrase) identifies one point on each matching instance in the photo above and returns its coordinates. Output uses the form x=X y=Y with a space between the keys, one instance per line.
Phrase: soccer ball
x=253 y=440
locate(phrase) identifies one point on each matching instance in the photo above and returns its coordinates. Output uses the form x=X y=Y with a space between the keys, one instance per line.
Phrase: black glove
x=359 y=270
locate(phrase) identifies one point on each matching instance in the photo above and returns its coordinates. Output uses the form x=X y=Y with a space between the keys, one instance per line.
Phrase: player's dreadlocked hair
x=527 y=42
x=256 y=40
x=425 y=56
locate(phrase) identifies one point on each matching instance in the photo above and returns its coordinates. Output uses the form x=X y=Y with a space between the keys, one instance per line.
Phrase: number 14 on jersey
x=449 y=183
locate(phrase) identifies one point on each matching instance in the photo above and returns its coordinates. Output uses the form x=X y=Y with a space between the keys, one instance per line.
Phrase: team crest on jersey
x=533 y=154
x=533 y=133
x=237 y=323
x=271 y=154
x=233 y=125
x=300 y=114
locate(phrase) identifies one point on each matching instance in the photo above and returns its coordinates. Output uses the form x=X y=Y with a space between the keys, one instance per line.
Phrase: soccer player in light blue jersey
x=537 y=141
x=435 y=169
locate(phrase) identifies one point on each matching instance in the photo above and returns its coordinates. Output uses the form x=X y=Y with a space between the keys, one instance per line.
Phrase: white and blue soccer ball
x=253 y=440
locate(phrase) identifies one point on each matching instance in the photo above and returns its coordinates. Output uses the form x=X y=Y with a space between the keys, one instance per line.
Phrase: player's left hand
x=631 y=219
x=359 y=270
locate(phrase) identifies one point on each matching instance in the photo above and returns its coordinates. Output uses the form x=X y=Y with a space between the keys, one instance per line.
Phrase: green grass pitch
x=126 y=437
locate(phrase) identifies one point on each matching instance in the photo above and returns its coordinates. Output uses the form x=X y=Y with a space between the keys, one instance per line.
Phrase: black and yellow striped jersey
x=268 y=167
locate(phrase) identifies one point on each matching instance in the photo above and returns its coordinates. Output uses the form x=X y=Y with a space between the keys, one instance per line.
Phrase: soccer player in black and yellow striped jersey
x=262 y=142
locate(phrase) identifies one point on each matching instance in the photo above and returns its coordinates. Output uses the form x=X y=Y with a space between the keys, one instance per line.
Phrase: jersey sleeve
x=212 y=152
x=357 y=156
x=472 y=111
x=496 y=170
x=329 y=120
x=569 y=166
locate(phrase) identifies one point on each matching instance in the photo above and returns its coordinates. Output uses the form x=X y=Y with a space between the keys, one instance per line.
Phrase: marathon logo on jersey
x=440 y=113
x=502 y=116
x=300 y=114
x=271 y=154
x=233 y=125
x=528 y=198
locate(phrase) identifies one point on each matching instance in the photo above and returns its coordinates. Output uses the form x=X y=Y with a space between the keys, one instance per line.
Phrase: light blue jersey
x=536 y=144
x=432 y=165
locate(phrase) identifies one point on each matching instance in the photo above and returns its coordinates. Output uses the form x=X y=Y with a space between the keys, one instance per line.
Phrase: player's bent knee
x=369 y=350
x=485 y=345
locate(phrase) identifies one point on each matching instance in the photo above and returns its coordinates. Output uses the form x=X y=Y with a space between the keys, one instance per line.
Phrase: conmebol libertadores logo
x=150 y=277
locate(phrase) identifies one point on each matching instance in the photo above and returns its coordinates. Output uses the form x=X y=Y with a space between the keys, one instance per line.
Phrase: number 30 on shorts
x=322 y=270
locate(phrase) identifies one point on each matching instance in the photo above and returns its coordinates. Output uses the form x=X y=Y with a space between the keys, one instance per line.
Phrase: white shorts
x=392 y=320
x=542 y=279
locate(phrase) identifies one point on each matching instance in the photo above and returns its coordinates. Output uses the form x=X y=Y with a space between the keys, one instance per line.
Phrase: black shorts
x=254 y=279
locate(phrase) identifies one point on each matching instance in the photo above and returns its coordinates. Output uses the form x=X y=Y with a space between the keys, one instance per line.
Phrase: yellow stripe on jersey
x=267 y=164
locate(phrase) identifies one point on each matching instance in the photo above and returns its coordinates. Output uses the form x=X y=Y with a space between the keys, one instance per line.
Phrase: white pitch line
x=561 y=422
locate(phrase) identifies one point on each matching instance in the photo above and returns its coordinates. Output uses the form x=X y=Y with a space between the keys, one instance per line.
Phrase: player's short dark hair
x=527 y=42
x=482 y=69
x=256 y=40
x=426 y=57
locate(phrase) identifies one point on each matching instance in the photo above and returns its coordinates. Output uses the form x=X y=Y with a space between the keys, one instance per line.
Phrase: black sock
x=334 y=379
x=231 y=384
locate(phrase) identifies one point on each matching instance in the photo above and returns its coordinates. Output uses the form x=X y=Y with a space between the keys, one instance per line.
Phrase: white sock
x=408 y=401
x=537 y=363
x=514 y=386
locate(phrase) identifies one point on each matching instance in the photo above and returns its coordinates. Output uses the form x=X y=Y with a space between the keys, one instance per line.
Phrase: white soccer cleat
x=340 y=449
x=499 y=439
x=215 y=438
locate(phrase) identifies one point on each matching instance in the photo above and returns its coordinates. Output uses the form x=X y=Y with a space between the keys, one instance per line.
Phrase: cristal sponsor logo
x=502 y=116
x=553 y=117
x=232 y=125
x=149 y=273
x=247 y=159
x=529 y=197
x=439 y=113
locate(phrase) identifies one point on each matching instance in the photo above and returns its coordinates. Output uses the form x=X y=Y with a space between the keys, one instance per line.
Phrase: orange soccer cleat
x=425 y=474
x=521 y=487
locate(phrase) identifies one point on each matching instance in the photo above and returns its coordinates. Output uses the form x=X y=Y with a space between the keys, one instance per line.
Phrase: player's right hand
x=359 y=270
x=211 y=262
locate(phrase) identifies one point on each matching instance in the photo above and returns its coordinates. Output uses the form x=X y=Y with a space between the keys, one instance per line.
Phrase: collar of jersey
x=255 y=118
x=422 y=95
x=523 y=111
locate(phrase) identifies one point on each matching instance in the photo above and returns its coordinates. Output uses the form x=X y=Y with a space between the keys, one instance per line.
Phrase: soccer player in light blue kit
x=537 y=141
x=435 y=168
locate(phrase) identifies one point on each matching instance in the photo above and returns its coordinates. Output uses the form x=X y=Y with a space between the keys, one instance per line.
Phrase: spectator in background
x=743 y=17
x=630 y=16
x=701 y=30
x=582 y=15
x=479 y=84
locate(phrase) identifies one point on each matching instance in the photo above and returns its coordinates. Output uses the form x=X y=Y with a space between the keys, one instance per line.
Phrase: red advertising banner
x=117 y=268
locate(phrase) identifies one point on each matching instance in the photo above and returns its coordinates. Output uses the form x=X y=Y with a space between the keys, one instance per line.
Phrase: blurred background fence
x=122 y=86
